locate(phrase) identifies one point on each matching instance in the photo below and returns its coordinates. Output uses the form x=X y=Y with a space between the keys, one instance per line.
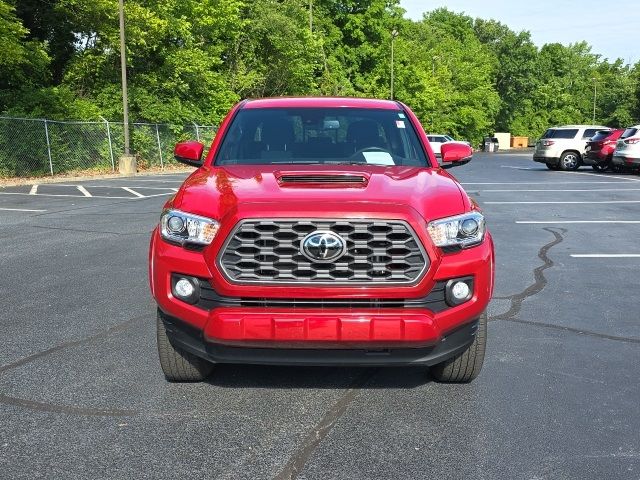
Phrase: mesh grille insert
x=386 y=252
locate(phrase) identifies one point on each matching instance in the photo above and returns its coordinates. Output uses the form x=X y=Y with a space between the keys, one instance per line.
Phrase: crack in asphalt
x=299 y=459
x=73 y=343
x=579 y=331
x=53 y=408
x=540 y=282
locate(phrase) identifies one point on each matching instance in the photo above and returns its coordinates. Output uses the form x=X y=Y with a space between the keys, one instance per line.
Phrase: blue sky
x=612 y=29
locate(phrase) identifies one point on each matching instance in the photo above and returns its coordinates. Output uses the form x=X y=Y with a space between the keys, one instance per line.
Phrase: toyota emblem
x=323 y=246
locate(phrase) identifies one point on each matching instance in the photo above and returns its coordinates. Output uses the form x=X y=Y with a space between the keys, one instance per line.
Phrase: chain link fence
x=38 y=147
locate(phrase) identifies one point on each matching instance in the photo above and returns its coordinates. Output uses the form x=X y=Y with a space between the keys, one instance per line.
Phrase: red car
x=600 y=149
x=321 y=231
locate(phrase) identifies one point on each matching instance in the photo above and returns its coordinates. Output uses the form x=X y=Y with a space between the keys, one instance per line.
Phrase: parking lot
x=82 y=394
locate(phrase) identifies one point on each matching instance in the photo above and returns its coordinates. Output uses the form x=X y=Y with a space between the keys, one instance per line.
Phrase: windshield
x=330 y=136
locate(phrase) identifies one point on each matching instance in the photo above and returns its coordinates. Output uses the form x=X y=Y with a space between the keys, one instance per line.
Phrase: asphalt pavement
x=82 y=394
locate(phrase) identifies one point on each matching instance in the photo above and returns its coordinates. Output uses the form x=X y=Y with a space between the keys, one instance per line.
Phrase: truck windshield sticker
x=378 y=158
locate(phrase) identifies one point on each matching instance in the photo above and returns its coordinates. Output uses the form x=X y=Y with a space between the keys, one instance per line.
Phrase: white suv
x=627 y=152
x=563 y=147
x=436 y=142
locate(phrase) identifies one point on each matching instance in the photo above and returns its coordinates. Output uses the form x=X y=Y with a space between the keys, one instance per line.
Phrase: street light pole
x=311 y=16
x=394 y=34
x=595 y=94
x=127 y=163
x=123 y=68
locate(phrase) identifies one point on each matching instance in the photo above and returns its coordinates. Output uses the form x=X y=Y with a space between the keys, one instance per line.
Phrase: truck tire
x=465 y=366
x=570 y=161
x=179 y=365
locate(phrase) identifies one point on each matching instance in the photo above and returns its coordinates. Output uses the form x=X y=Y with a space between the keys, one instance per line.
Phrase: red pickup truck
x=321 y=231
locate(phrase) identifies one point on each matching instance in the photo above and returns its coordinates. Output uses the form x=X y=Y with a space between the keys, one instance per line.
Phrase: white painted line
x=568 y=190
x=127 y=189
x=174 y=189
x=562 y=202
x=545 y=222
x=71 y=196
x=34 y=190
x=157 y=195
x=539 y=183
x=607 y=255
x=92 y=197
x=521 y=168
x=83 y=190
x=21 y=210
x=600 y=175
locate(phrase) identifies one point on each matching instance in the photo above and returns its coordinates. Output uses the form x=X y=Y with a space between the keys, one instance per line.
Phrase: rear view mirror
x=189 y=153
x=455 y=154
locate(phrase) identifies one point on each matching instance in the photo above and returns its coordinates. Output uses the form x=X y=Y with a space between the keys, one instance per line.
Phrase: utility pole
x=595 y=95
x=394 y=34
x=127 y=164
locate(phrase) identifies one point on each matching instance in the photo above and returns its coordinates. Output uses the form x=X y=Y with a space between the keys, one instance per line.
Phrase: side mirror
x=455 y=154
x=189 y=153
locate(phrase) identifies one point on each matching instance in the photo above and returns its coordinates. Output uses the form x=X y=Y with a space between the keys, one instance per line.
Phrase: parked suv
x=321 y=231
x=627 y=152
x=564 y=147
x=600 y=149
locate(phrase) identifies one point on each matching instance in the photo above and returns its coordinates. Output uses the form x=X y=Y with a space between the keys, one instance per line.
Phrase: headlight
x=460 y=231
x=181 y=227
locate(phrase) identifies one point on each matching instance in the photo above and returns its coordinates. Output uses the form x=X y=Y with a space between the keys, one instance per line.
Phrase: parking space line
x=606 y=255
x=561 y=202
x=546 y=222
x=83 y=190
x=21 y=210
x=567 y=190
x=70 y=196
x=600 y=175
x=130 y=190
x=543 y=183
x=34 y=190
x=521 y=168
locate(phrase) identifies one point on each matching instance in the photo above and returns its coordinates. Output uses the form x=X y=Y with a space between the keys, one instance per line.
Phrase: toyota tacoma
x=321 y=231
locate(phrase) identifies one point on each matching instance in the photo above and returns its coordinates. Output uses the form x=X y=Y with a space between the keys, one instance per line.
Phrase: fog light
x=184 y=289
x=460 y=290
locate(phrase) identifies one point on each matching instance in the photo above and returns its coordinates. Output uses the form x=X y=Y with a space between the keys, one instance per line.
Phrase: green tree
x=23 y=62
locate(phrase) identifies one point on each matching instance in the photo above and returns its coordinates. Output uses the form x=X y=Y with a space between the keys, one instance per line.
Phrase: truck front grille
x=383 y=252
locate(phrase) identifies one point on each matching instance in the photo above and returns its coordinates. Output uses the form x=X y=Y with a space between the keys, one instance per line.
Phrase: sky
x=612 y=29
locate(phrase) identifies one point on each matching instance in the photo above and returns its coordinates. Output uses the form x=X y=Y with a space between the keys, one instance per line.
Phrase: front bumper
x=325 y=327
x=192 y=340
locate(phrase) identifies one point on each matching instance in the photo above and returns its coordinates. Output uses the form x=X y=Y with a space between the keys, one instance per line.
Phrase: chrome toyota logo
x=323 y=246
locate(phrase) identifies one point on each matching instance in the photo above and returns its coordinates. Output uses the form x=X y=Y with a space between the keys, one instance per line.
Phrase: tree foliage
x=190 y=60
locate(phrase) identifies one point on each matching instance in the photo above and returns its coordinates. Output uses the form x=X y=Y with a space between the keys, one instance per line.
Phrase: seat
x=363 y=134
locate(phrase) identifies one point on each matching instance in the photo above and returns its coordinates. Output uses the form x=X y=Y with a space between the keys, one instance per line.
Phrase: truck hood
x=216 y=192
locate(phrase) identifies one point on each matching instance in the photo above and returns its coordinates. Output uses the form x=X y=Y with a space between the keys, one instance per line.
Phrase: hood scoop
x=322 y=179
